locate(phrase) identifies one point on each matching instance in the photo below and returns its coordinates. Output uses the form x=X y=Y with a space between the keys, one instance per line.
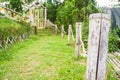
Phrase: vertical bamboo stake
x=97 y=46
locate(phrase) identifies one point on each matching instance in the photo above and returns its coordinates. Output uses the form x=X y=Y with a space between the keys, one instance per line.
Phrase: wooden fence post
x=72 y=35
x=99 y=25
x=55 y=29
x=82 y=44
x=70 y=32
x=77 y=45
x=79 y=41
x=62 y=31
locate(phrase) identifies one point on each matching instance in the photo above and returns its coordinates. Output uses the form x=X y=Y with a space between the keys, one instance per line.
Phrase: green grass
x=10 y=28
x=42 y=57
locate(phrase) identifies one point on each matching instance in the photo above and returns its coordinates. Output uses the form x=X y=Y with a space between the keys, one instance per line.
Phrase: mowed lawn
x=42 y=57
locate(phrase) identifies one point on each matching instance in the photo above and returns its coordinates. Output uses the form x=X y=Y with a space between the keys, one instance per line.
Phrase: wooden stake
x=62 y=31
x=82 y=44
x=55 y=29
x=70 y=32
x=79 y=41
x=97 y=46
x=77 y=45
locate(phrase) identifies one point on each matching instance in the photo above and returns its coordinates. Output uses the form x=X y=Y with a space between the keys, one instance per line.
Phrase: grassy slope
x=42 y=57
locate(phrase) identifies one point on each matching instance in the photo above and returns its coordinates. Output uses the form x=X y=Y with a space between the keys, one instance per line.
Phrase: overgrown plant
x=113 y=40
x=9 y=28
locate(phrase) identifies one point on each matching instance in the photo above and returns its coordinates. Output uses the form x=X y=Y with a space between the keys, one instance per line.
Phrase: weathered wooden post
x=62 y=31
x=79 y=41
x=55 y=29
x=77 y=44
x=70 y=32
x=99 y=25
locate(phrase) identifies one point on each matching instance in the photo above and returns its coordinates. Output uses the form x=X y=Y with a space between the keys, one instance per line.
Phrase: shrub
x=10 y=28
x=113 y=41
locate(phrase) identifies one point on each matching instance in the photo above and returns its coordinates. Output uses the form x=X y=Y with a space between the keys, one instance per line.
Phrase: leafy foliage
x=113 y=41
x=9 y=28
x=52 y=9
x=16 y=5
x=72 y=11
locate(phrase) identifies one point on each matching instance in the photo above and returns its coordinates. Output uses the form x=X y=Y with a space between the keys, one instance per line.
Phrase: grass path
x=42 y=57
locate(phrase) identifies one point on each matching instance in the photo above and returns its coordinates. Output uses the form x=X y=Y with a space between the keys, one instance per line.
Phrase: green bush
x=113 y=41
x=10 y=28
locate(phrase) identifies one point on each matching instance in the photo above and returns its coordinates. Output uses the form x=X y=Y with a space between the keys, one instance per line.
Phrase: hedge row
x=10 y=28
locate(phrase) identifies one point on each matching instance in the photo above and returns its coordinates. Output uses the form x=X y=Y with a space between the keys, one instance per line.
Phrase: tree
x=52 y=6
x=16 y=5
x=71 y=11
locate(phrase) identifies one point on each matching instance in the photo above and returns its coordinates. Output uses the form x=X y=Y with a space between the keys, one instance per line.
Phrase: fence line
x=10 y=40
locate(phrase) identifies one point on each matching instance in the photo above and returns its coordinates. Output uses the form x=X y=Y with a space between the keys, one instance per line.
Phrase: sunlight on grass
x=42 y=57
